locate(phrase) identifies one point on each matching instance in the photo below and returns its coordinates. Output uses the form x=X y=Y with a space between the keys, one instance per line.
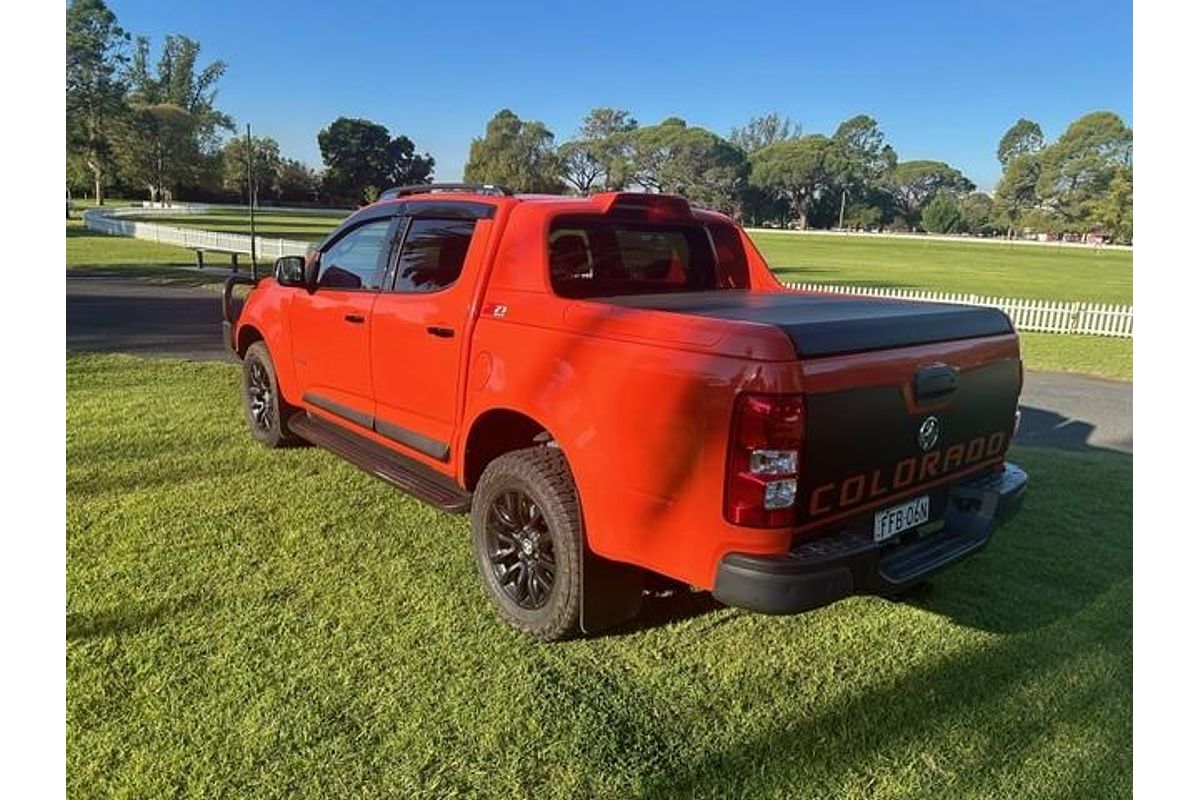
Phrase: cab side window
x=433 y=254
x=352 y=262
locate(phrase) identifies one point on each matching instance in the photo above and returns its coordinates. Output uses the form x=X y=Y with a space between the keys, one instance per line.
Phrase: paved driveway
x=130 y=315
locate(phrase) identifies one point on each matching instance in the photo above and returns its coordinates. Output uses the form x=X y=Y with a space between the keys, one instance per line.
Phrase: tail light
x=764 y=460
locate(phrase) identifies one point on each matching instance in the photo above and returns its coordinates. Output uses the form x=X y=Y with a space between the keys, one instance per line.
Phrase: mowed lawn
x=251 y=623
x=1038 y=272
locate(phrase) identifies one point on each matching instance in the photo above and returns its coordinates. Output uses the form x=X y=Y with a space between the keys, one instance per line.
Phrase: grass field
x=996 y=270
x=242 y=622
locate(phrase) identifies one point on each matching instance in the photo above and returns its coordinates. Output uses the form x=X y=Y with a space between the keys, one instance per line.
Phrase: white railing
x=109 y=220
x=1045 y=316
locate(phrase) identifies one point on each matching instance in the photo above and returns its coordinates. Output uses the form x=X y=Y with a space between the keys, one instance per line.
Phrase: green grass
x=1091 y=355
x=100 y=252
x=1004 y=270
x=243 y=622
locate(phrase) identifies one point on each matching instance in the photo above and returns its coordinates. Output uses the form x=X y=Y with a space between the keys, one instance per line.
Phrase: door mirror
x=289 y=271
x=312 y=268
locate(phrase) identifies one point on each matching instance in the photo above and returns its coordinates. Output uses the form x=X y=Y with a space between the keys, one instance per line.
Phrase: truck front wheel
x=527 y=534
x=266 y=410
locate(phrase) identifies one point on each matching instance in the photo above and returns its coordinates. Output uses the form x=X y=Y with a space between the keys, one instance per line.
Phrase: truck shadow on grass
x=1022 y=691
x=1056 y=588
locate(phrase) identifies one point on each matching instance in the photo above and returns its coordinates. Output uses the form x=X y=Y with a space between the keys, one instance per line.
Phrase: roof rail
x=431 y=188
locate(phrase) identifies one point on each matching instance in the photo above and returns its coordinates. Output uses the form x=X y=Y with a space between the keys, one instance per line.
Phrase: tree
x=265 y=171
x=297 y=181
x=515 y=153
x=1016 y=194
x=978 y=214
x=1114 y=211
x=859 y=158
x=689 y=161
x=795 y=169
x=1077 y=169
x=1023 y=138
x=362 y=159
x=600 y=154
x=915 y=183
x=942 y=214
x=581 y=165
x=171 y=138
x=762 y=131
x=96 y=55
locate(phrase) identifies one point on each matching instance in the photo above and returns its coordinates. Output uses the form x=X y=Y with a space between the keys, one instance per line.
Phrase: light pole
x=250 y=195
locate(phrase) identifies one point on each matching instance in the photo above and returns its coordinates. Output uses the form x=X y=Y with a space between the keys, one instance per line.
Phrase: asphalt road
x=112 y=314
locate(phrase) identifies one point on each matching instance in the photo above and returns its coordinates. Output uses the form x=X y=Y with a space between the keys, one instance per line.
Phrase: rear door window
x=433 y=254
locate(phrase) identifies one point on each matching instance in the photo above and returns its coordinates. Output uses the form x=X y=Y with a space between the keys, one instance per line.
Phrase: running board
x=411 y=476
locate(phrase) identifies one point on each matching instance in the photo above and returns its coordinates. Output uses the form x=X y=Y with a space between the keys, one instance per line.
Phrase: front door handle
x=435 y=330
x=357 y=319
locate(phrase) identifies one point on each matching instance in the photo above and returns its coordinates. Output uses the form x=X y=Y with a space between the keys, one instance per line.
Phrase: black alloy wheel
x=520 y=549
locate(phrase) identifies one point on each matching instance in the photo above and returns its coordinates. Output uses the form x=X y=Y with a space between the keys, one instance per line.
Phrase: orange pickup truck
x=615 y=386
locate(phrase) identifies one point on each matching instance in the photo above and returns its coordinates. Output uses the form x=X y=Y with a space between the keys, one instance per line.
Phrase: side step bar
x=415 y=478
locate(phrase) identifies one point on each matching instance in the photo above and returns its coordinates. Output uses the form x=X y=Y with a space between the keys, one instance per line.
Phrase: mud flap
x=611 y=592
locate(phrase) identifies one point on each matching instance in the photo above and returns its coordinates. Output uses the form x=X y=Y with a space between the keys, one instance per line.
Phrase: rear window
x=602 y=257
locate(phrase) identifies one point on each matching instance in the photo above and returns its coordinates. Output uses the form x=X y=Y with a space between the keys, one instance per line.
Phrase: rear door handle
x=445 y=333
x=357 y=319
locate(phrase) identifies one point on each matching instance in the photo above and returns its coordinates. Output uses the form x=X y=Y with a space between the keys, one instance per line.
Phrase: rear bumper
x=820 y=571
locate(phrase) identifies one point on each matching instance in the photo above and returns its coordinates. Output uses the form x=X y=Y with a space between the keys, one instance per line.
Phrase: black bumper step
x=402 y=472
x=820 y=571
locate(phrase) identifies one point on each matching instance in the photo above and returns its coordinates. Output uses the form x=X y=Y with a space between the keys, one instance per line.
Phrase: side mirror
x=289 y=271
x=312 y=268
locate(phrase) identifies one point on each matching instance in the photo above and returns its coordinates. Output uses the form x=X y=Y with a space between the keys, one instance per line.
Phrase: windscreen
x=605 y=257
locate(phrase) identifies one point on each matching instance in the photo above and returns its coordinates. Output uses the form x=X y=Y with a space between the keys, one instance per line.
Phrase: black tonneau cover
x=828 y=324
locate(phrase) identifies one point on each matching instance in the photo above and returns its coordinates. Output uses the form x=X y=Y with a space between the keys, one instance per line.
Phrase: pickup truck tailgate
x=927 y=423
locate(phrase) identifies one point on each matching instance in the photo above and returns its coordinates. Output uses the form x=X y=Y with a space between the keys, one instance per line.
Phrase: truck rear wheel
x=266 y=410
x=527 y=535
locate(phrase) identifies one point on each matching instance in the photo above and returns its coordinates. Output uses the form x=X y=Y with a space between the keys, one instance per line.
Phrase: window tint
x=350 y=263
x=433 y=254
x=605 y=257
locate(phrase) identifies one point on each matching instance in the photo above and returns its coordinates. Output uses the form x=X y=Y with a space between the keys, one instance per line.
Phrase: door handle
x=435 y=330
x=357 y=319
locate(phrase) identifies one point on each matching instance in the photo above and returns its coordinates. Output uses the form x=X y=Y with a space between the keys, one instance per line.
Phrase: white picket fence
x=110 y=220
x=1045 y=316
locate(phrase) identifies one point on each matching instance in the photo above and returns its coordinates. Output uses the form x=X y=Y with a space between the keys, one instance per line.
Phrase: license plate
x=900 y=518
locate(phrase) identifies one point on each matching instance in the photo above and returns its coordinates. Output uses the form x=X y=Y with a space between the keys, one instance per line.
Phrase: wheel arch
x=498 y=431
x=246 y=336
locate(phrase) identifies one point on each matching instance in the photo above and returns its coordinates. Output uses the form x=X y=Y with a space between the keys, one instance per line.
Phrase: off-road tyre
x=541 y=475
x=265 y=408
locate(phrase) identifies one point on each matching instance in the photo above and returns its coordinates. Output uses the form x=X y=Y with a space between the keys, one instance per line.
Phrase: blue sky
x=944 y=79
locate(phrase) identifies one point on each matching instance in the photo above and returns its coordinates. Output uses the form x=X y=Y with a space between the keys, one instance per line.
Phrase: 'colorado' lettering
x=954 y=457
x=853 y=490
x=815 y=505
x=929 y=465
x=907 y=468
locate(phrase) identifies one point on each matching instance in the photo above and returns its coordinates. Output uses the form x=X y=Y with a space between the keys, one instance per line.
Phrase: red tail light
x=764 y=460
